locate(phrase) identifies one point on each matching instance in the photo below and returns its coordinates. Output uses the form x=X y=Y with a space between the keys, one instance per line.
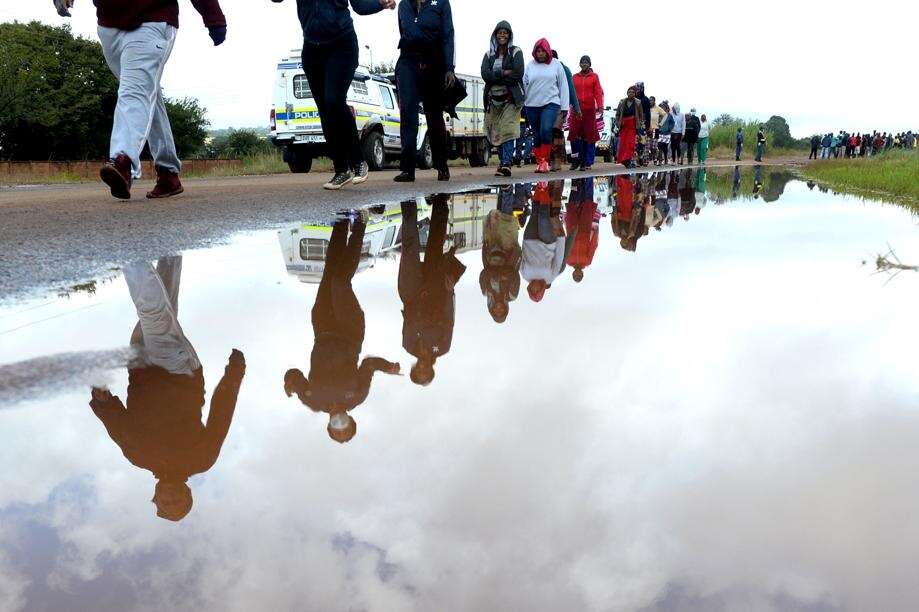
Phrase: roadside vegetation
x=779 y=141
x=892 y=176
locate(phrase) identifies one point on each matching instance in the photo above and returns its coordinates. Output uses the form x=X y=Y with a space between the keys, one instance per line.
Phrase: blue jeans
x=542 y=120
x=584 y=152
x=737 y=151
x=506 y=152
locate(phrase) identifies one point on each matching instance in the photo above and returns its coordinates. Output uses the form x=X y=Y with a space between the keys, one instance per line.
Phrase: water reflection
x=160 y=429
x=337 y=384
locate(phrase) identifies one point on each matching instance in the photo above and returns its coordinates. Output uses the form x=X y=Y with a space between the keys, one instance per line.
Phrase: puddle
x=671 y=391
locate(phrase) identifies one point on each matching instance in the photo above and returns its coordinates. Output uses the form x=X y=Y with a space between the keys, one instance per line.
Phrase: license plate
x=309 y=138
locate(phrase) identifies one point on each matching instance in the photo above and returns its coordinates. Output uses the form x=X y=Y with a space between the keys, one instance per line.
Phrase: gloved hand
x=63 y=7
x=218 y=35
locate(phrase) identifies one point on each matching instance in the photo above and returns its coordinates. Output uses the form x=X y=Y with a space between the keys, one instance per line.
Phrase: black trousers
x=421 y=84
x=330 y=69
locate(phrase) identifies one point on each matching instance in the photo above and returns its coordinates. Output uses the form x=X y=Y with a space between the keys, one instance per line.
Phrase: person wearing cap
x=424 y=71
x=502 y=71
x=160 y=429
x=337 y=384
x=137 y=39
x=427 y=288
x=547 y=99
x=582 y=127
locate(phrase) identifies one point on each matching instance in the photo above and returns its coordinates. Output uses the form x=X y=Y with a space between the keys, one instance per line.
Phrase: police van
x=296 y=129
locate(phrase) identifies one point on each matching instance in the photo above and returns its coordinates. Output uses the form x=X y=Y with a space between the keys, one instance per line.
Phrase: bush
x=237 y=144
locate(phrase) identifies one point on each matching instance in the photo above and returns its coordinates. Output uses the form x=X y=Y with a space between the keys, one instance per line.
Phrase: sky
x=786 y=57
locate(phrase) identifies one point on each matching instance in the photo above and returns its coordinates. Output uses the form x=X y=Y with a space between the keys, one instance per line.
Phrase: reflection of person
x=757 y=181
x=427 y=289
x=582 y=220
x=543 y=241
x=501 y=253
x=337 y=385
x=735 y=187
x=160 y=429
x=687 y=193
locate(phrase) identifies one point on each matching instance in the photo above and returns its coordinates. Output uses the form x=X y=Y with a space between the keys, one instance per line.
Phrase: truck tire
x=374 y=153
x=425 y=154
x=299 y=162
x=481 y=153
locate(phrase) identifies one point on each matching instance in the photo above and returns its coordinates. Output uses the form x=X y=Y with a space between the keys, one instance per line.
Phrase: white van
x=295 y=126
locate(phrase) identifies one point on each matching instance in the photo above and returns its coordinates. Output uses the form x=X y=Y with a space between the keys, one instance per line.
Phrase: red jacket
x=131 y=14
x=588 y=89
x=586 y=218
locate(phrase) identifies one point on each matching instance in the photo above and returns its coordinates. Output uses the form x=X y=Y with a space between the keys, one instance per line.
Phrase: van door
x=392 y=138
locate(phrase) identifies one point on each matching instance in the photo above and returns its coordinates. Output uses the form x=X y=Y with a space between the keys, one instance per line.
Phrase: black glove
x=218 y=35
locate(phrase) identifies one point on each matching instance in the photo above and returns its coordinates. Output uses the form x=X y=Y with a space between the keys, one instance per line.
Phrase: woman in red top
x=582 y=221
x=582 y=131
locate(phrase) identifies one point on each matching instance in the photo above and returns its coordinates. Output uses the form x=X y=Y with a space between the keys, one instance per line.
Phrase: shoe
x=116 y=173
x=575 y=166
x=504 y=171
x=542 y=167
x=167 y=184
x=361 y=173
x=405 y=177
x=443 y=175
x=339 y=180
x=586 y=168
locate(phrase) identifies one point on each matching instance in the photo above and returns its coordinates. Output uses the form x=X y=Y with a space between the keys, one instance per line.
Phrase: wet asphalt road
x=53 y=237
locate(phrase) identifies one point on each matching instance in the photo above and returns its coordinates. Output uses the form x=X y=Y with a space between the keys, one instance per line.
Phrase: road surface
x=56 y=236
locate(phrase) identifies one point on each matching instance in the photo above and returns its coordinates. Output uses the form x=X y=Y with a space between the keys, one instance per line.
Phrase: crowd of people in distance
x=852 y=145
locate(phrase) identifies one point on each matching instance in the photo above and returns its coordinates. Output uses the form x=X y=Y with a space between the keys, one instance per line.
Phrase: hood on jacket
x=543 y=44
x=676 y=108
x=502 y=25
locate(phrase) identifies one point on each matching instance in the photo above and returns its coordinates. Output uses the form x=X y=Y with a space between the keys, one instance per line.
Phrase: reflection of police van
x=605 y=145
x=467 y=218
x=305 y=246
x=295 y=126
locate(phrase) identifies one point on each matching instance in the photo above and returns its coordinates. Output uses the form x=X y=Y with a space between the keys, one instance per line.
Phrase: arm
x=223 y=406
x=488 y=74
x=446 y=25
x=111 y=412
x=599 y=96
x=211 y=13
x=563 y=91
x=367 y=7
x=516 y=75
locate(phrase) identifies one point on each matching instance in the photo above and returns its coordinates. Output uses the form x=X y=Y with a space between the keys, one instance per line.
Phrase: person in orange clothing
x=582 y=221
x=582 y=128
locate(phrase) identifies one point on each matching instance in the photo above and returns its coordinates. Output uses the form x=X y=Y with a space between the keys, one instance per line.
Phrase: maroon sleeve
x=211 y=13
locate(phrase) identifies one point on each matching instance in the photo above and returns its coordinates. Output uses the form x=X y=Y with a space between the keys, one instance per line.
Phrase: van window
x=387 y=97
x=302 y=87
x=313 y=249
x=359 y=87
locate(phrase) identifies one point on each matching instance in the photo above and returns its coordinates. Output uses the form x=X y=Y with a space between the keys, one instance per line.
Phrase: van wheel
x=298 y=161
x=481 y=152
x=425 y=155
x=374 y=154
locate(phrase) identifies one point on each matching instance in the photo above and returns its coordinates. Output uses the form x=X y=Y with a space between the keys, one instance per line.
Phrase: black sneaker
x=361 y=173
x=443 y=175
x=339 y=180
x=504 y=171
x=405 y=177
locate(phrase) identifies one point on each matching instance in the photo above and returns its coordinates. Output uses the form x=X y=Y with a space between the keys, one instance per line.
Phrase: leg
x=407 y=79
x=507 y=153
x=590 y=154
x=410 y=262
x=432 y=97
x=161 y=141
x=137 y=59
x=340 y=64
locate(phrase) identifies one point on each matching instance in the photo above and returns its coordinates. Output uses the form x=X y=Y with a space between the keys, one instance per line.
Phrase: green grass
x=257 y=163
x=60 y=178
x=891 y=176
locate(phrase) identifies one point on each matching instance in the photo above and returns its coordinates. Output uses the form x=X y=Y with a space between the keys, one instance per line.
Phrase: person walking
x=676 y=136
x=815 y=147
x=424 y=72
x=547 y=96
x=691 y=134
x=827 y=144
x=330 y=57
x=502 y=71
x=630 y=119
x=658 y=114
x=738 y=144
x=582 y=127
x=137 y=40
x=558 y=154
x=664 y=134
x=760 y=143
x=704 y=132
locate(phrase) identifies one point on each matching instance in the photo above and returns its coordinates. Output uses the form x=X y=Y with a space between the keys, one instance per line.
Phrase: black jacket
x=512 y=61
x=428 y=33
x=326 y=21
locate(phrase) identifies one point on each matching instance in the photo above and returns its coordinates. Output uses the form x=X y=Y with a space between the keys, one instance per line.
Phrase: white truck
x=296 y=129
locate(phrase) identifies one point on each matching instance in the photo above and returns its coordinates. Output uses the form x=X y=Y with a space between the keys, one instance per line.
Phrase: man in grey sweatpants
x=137 y=39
